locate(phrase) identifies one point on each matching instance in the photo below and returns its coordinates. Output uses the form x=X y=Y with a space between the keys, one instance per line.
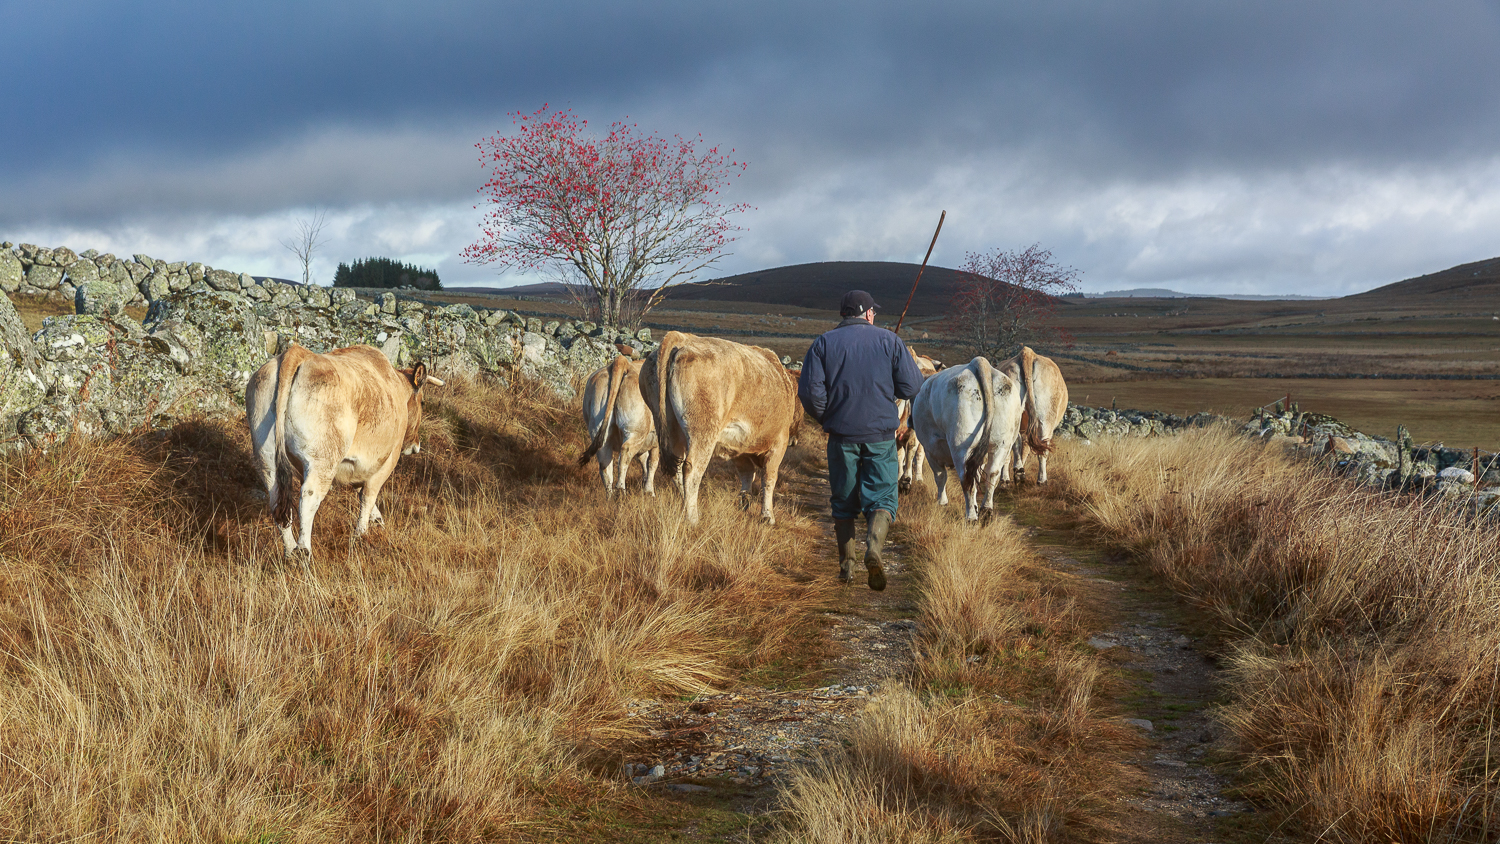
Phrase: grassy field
x=1361 y=628
x=1460 y=414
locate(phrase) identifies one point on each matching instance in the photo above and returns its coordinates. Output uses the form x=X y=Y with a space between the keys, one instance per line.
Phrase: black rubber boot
x=879 y=521
x=843 y=529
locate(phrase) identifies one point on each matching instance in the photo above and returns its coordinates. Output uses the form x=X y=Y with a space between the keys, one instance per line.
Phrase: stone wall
x=206 y=330
x=1398 y=465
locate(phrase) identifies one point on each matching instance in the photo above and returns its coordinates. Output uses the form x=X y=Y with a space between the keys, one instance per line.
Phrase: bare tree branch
x=307 y=241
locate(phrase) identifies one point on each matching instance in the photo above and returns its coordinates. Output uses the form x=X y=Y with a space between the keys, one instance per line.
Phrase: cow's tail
x=618 y=369
x=286 y=370
x=666 y=358
x=975 y=460
x=1033 y=422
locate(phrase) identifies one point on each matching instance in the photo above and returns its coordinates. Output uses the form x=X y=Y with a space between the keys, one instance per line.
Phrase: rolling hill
x=819 y=286
x=1472 y=285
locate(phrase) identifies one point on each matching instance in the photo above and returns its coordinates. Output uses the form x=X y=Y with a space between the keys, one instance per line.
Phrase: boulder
x=11 y=272
x=44 y=277
x=81 y=272
x=222 y=280
x=99 y=298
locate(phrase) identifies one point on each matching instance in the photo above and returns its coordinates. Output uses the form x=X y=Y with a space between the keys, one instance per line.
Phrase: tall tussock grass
x=165 y=675
x=997 y=736
x=1363 y=628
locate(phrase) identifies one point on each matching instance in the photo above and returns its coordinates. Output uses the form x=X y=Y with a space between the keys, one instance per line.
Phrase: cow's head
x=418 y=378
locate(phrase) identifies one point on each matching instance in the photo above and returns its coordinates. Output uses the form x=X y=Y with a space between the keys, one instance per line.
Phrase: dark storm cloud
x=175 y=112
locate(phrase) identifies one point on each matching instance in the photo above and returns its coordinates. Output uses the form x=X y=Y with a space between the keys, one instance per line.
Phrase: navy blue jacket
x=851 y=378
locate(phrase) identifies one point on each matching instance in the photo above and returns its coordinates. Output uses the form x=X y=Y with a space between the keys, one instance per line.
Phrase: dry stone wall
x=1450 y=474
x=206 y=330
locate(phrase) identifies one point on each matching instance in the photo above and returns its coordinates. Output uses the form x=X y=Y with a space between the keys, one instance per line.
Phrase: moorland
x=1423 y=352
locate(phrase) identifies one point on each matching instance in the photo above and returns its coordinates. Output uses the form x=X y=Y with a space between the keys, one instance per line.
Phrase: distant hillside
x=822 y=284
x=1163 y=293
x=1475 y=285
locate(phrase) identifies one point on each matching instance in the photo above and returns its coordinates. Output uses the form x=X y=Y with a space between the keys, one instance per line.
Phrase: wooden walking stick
x=914 y=284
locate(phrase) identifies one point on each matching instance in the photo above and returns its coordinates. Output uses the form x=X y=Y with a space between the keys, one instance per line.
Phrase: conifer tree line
x=385 y=272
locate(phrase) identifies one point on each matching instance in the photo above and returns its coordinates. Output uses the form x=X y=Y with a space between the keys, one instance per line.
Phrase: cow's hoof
x=904 y=486
x=299 y=555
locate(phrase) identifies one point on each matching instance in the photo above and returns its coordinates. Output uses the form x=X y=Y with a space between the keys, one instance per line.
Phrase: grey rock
x=83 y=272
x=11 y=272
x=99 y=298
x=387 y=303
x=551 y=327
x=145 y=261
x=1456 y=475
x=644 y=335
x=1101 y=644
x=1141 y=723
x=222 y=280
x=247 y=281
x=534 y=325
x=43 y=277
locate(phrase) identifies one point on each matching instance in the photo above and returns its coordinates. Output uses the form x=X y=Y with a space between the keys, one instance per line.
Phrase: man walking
x=851 y=378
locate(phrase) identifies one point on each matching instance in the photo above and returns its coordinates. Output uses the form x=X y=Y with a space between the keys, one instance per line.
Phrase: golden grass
x=998 y=736
x=1364 y=629
x=166 y=676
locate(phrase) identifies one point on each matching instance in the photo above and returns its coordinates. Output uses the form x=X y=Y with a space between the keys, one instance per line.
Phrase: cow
x=619 y=424
x=909 y=455
x=710 y=396
x=966 y=419
x=1044 y=402
x=344 y=417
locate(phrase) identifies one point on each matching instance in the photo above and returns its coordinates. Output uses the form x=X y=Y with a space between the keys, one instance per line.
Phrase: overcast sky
x=1265 y=147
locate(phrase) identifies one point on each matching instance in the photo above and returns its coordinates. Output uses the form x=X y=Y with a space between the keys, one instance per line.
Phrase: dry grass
x=166 y=676
x=998 y=737
x=1364 y=629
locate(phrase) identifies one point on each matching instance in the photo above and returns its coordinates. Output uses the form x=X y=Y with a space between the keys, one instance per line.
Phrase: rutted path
x=738 y=746
x=1171 y=681
x=735 y=748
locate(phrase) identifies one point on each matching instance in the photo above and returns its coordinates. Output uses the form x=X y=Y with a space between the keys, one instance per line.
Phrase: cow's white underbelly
x=356 y=469
x=735 y=436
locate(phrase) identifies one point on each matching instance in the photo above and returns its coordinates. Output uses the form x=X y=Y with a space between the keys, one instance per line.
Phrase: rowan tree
x=1006 y=299
x=624 y=216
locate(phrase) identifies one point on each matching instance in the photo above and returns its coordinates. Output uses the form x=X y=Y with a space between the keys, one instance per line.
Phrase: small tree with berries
x=624 y=216
x=1006 y=299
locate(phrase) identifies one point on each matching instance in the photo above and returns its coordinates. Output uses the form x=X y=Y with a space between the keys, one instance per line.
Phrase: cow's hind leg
x=649 y=458
x=1041 y=467
x=746 y=466
x=606 y=458
x=315 y=485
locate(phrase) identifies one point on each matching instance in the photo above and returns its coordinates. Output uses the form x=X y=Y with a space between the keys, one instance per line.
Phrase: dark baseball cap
x=856 y=302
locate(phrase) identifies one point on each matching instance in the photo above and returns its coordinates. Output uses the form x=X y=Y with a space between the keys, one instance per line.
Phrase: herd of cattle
x=347 y=416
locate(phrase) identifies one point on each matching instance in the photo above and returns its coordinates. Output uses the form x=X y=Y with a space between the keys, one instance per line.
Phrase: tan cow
x=909 y=454
x=712 y=396
x=343 y=417
x=1044 y=402
x=619 y=424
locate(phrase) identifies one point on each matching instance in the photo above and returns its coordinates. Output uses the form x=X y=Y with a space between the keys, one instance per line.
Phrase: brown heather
x=998 y=737
x=1363 y=630
x=166 y=676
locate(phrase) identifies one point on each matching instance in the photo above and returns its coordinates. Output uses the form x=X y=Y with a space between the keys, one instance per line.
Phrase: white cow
x=966 y=419
x=1044 y=401
x=344 y=417
x=619 y=424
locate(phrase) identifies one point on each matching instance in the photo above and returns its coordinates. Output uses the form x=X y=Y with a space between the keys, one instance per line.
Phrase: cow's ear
x=418 y=376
